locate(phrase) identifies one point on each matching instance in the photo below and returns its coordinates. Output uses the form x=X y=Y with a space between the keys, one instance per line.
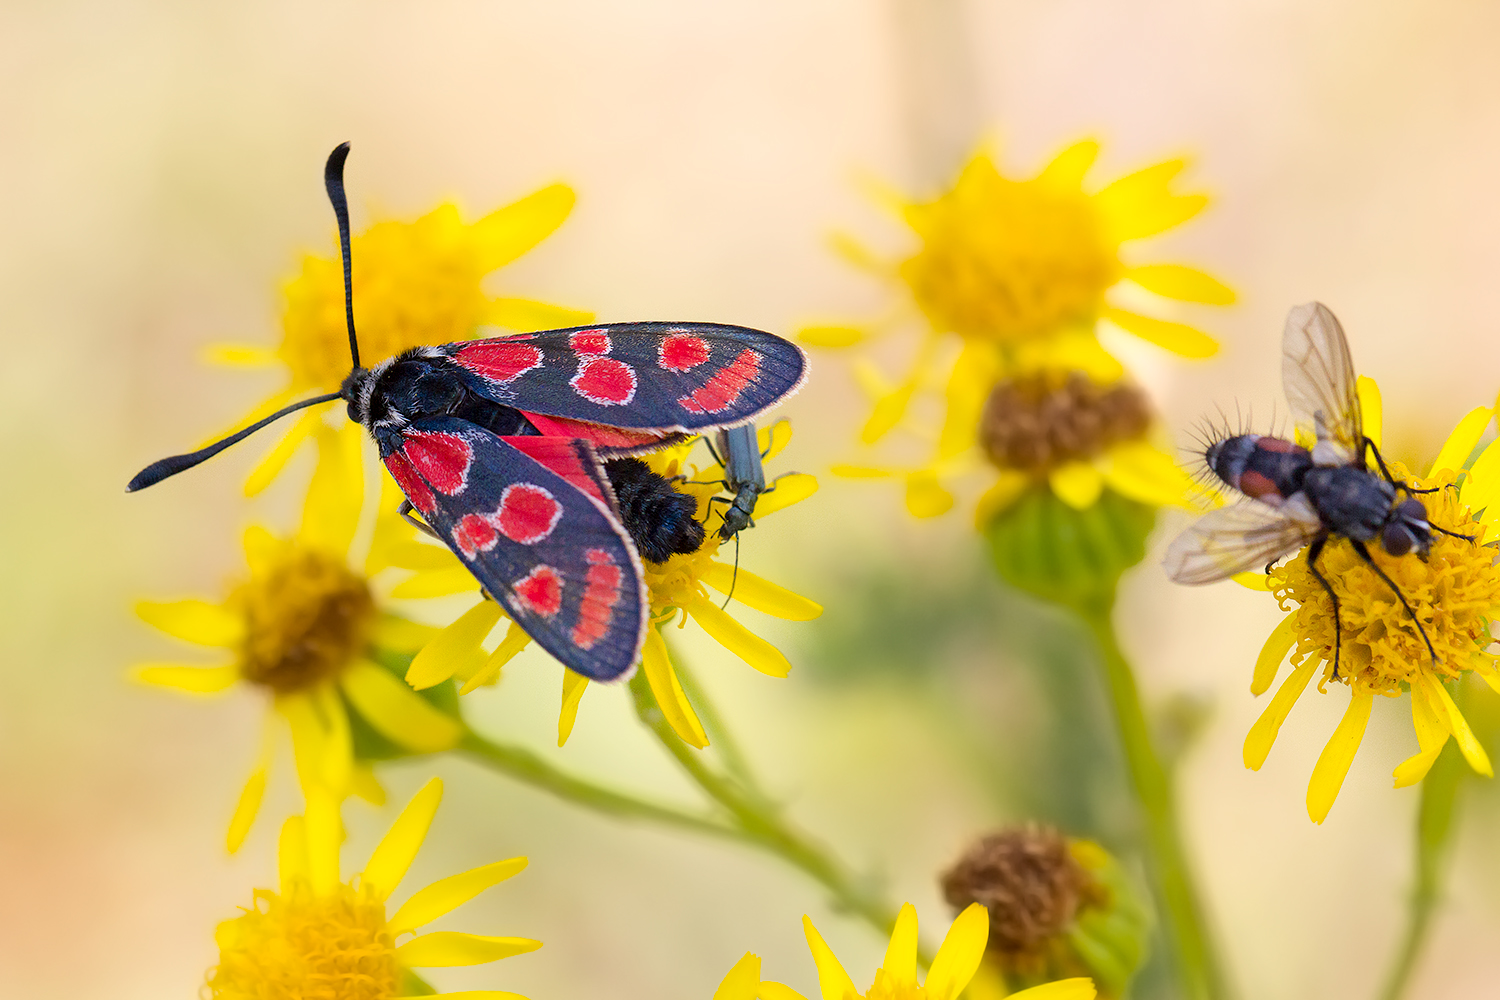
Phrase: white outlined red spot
x=682 y=352
x=527 y=513
x=725 y=386
x=411 y=484
x=605 y=381
x=540 y=591
x=601 y=593
x=590 y=343
x=501 y=362
x=474 y=534
x=442 y=459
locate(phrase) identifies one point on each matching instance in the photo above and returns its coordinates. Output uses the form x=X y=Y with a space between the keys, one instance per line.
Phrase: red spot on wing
x=680 y=352
x=540 y=591
x=600 y=595
x=442 y=459
x=724 y=388
x=474 y=534
x=499 y=362
x=560 y=455
x=1278 y=445
x=598 y=435
x=589 y=343
x=411 y=484
x=527 y=513
x=605 y=381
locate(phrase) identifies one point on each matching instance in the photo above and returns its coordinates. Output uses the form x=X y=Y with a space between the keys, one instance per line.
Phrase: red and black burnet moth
x=519 y=453
x=1297 y=497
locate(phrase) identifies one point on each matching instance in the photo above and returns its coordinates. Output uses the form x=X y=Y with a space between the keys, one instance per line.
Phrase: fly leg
x=405 y=511
x=1364 y=554
x=1392 y=479
x=1313 y=551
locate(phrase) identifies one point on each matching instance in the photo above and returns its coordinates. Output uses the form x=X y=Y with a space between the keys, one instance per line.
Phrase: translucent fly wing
x=1245 y=536
x=1320 y=383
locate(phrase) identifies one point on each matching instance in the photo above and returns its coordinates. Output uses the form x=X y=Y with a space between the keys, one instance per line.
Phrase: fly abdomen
x=1266 y=468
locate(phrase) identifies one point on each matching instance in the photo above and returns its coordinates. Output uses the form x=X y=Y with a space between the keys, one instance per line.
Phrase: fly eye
x=1412 y=510
x=1396 y=539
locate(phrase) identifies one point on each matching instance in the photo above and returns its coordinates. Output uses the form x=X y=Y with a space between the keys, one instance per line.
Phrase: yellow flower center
x=1454 y=592
x=306 y=618
x=414 y=283
x=1037 y=422
x=885 y=988
x=306 y=947
x=1009 y=260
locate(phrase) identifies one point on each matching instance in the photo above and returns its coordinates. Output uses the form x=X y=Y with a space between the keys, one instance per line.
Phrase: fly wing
x=659 y=377
x=1245 y=536
x=555 y=556
x=1321 y=386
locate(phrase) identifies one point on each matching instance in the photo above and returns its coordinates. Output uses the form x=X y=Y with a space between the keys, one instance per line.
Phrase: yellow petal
x=1258 y=741
x=1472 y=751
x=467 y=995
x=833 y=981
x=900 y=962
x=999 y=497
x=1069 y=167
x=1077 y=484
x=330 y=515
x=778 y=991
x=401 y=635
x=1333 y=763
x=969 y=386
x=958 y=957
x=449 y=948
x=1179 y=338
x=889 y=409
x=572 y=694
x=282 y=451
x=1141 y=204
x=1063 y=989
x=831 y=336
x=454 y=647
x=239 y=355
x=362 y=782
x=774 y=439
x=793 y=487
x=925 y=495
x=187 y=677
x=338 y=743
x=436 y=583
x=1252 y=579
x=320 y=740
x=509 y=232
x=761 y=594
x=515 y=640
x=291 y=854
x=845 y=471
x=1481 y=486
x=397 y=712
x=394 y=854
x=1176 y=281
x=1461 y=443
x=445 y=895
x=739 y=640
x=857 y=254
x=743 y=980
x=325 y=832
x=262 y=549
x=1432 y=735
x=248 y=806
x=194 y=621
x=1279 y=643
x=1142 y=472
x=526 y=315
x=668 y=692
x=414 y=554
x=1370 y=407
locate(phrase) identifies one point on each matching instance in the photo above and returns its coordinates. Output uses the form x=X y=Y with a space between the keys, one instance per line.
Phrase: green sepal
x=1111 y=935
x=368 y=742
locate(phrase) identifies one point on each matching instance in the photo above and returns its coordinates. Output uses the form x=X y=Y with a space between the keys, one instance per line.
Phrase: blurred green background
x=161 y=174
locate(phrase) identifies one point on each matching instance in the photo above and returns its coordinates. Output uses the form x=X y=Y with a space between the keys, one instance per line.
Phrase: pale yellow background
x=160 y=172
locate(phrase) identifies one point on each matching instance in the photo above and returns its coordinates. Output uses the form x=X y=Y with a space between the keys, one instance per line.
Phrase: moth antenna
x=159 y=470
x=333 y=180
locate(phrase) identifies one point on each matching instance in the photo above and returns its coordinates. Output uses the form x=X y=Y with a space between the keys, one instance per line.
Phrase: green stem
x=527 y=767
x=1434 y=830
x=762 y=824
x=1183 y=922
x=724 y=743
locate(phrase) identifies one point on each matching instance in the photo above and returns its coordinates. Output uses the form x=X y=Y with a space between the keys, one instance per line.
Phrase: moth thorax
x=1037 y=422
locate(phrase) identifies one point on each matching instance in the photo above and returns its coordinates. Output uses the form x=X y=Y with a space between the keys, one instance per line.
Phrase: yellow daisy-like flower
x=415 y=283
x=954 y=967
x=319 y=938
x=682 y=583
x=1455 y=593
x=1019 y=271
x=302 y=627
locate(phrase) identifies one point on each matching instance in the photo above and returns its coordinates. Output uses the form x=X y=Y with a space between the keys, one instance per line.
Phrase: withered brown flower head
x=1036 y=422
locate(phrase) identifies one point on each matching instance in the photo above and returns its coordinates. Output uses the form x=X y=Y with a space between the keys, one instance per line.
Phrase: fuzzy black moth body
x=662 y=522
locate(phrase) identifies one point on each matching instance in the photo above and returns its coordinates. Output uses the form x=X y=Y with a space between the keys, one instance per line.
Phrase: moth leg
x=1364 y=554
x=1313 y=551
x=405 y=511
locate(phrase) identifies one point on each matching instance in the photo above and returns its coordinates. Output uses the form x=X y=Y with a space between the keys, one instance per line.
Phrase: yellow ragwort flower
x=682 y=583
x=415 y=283
x=301 y=628
x=953 y=968
x=320 y=938
x=1455 y=592
x=1019 y=272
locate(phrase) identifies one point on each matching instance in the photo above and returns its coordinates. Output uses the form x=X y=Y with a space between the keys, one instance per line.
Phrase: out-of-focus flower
x=303 y=627
x=1058 y=908
x=1455 y=592
x=681 y=584
x=414 y=283
x=318 y=936
x=952 y=969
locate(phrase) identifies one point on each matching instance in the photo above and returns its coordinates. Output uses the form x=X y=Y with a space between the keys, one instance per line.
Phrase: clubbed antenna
x=333 y=180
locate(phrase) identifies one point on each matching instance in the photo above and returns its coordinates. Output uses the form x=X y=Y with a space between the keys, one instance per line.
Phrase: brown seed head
x=1037 y=422
x=305 y=620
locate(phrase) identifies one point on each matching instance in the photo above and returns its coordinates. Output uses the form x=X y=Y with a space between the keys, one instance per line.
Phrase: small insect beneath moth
x=520 y=453
x=1295 y=496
